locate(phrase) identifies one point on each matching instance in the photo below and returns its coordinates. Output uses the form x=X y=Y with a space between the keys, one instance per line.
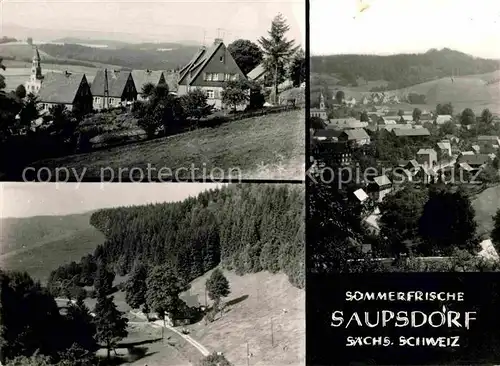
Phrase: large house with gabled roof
x=113 y=88
x=208 y=70
x=70 y=90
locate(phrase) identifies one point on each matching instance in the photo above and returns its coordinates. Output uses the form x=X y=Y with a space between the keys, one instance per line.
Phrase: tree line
x=401 y=70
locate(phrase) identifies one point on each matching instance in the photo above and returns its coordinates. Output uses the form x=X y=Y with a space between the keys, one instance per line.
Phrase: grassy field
x=269 y=147
x=486 y=205
x=256 y=300
x=41 y=244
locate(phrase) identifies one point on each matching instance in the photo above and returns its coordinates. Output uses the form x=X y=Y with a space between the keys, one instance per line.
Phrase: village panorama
x=405 y=150
x=227 y=105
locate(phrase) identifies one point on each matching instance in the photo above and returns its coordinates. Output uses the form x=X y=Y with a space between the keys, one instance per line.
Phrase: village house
x=475 y=161
x=208 y=70
x=351 y=102
x=443 y=118
x=444 y=147
x=327 y=134
x=71 y=90
x=401 y=175
x=346 y=123
x=364 y=100
x=488 y=144
x=476 y=149
x=411 y=132
x=340 y=153
x=113 y=88
x=452 y=138
x=257 y=74
x=427 y=157
x=379 y=187
x=356 y=136
x=143 y=77
x=411 y=165
x=390 y=127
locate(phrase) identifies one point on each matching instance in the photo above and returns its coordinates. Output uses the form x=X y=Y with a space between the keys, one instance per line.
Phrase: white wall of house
x=46 y=106
x=112 y=102
x=214 y=95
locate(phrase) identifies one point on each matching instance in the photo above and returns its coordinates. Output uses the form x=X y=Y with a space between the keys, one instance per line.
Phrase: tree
x=399 y=216
x=235 y=93
x=364 y=117
x=317 y=123
x=448 y=222
x=486 y=117
x=103 y=282
x=148 y=90
x=444 y=109
x=20 y=91
x=247 y=54
x=111 y=324
x=298 y=68
x=29 y=40
x=401 y=113
x=2 y=78
x=136 y=286
x=163 y=290
x=35 y=360
x=82 y=330
x=448 y=128
x=217 y=287
x=340 y=96
x=417 y=113
x=194 y=104
x=277 y=51
x=467 y=117
x=29 y=113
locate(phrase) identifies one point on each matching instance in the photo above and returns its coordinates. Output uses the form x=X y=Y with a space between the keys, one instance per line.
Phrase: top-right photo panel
x=405 y=135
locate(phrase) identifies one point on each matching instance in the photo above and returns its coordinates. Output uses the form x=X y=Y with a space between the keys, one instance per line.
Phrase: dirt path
x=159 y=324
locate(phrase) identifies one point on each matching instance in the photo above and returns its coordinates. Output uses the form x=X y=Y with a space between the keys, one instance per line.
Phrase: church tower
x=36 y=77
x=322 y=102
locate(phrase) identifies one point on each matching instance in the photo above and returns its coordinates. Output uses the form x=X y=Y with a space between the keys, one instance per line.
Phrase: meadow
x=270 y=146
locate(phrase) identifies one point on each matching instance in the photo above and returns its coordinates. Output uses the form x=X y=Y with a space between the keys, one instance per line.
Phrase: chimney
x=217 y=41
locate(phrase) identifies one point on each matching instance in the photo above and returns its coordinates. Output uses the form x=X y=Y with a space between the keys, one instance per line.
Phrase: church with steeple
x=36 y=78
x=320 y=112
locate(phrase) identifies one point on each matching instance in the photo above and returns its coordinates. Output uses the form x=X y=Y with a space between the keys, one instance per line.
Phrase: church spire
x=322 y=102
x=36 y=67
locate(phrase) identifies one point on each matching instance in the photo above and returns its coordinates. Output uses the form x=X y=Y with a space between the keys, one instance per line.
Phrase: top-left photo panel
x=152 y=91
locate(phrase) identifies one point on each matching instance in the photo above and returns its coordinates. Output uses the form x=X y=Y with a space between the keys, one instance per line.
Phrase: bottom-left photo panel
x=152 y=274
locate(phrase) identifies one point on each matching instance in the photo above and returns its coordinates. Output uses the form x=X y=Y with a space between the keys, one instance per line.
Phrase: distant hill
x=40 y=244
x=401 y=70
x=137 y=56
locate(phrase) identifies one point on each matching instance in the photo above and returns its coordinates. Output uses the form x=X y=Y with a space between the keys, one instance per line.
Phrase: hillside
x=401 y=70
x=40 y=244
x=486 y=205
x=267 y=147
x=255 y=299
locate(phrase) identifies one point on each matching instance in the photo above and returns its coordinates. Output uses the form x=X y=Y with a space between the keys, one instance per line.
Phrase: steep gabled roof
x=327 y=133
x=382 y=180
x=142 y=77
x=116 y=83
x=199 y=61
x=476 y=159
x=487 y=138
x=60 y=88
x=426 y=151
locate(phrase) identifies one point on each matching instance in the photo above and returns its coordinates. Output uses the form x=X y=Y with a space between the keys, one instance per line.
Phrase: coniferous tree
x=277 y=51
x=103 y=282
x=136 y=286
x=111 y=324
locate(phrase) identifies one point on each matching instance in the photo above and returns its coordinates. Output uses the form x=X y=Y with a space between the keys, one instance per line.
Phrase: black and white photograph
x=147 y=91
x=405 y=136
x=180 y=274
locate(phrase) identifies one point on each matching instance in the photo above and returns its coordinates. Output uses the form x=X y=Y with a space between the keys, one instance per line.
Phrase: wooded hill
x=401 y=70
x=246 y=228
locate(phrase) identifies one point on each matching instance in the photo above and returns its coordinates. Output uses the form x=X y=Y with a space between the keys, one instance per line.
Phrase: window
x=234 y=77
x=227 y=77
x=209 y=76
x=216 y=77
x=210 y=94
x=221 y=59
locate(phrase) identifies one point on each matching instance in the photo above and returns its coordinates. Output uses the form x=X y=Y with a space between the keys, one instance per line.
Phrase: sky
x=163 y=20
x=36 y=199
x=405 y=26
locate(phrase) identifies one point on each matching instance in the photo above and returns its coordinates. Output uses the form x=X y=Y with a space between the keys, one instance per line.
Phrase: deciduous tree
x=246 y=54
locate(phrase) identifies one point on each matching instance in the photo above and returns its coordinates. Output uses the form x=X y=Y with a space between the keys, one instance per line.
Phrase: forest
x=401 y=70
x=246 y=228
